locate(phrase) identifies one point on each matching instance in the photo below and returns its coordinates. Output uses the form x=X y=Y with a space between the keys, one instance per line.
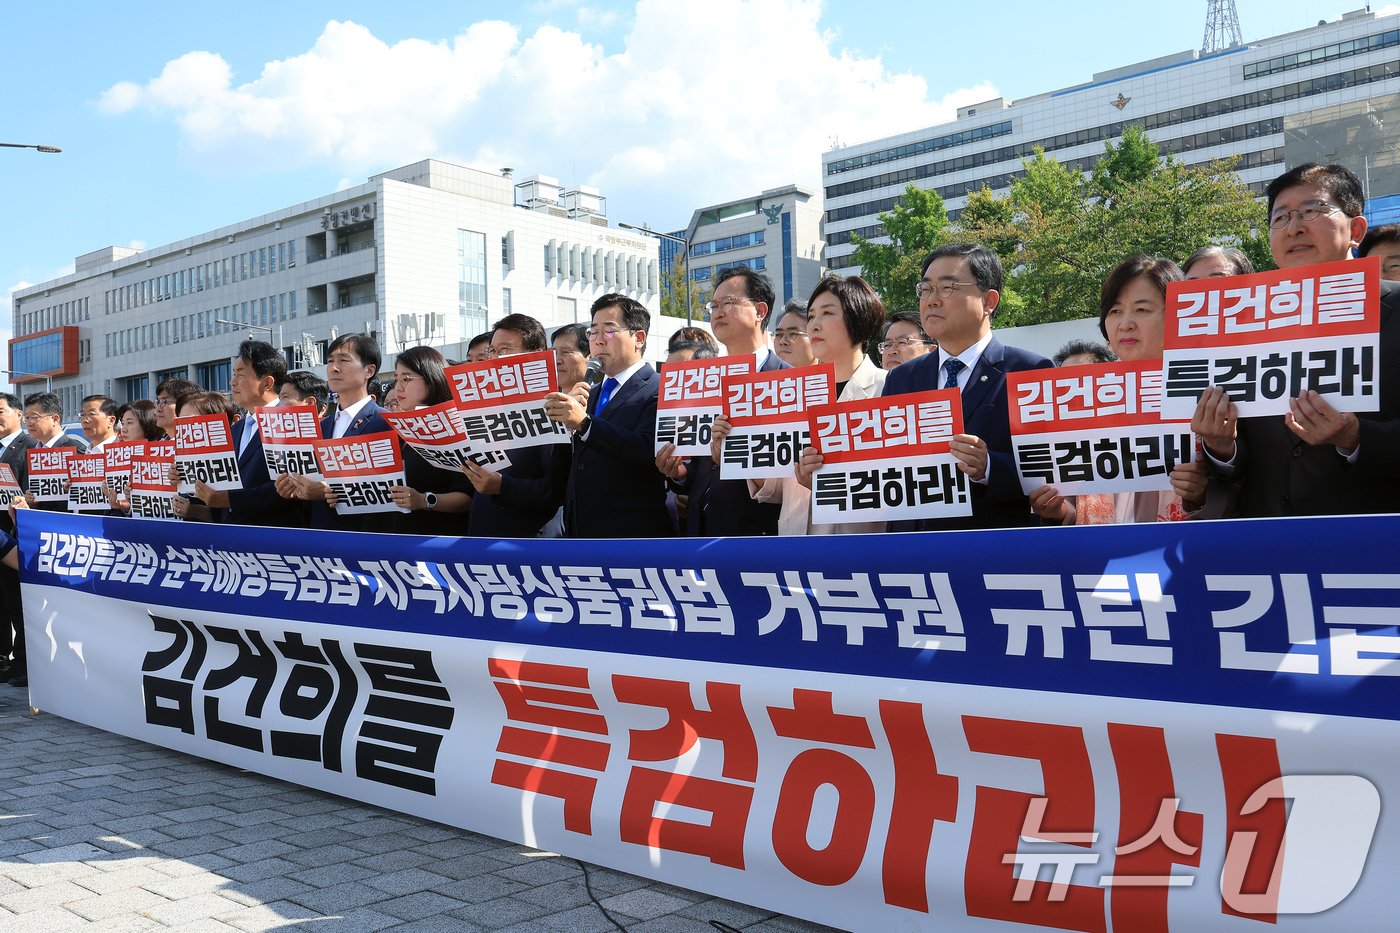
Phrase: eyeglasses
x=727 y=305
x=1310 y=211
x=944 y=289
x=783 y=336
x=903 y=343
x=606 y=332
x=506 y=349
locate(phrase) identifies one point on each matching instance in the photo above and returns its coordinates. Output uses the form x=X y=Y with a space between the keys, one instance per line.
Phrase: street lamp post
x=48 y=380
x=685 y=245
x=270 y=331
x=30 y=146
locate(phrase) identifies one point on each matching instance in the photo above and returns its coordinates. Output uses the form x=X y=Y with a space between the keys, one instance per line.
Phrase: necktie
x=952 y=368
x=605 y=394
x=250 y=427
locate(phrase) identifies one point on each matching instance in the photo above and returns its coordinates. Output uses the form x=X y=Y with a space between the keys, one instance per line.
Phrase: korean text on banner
x=204 y=452
x=288 y=434
x=439 y=435
x=87 y=483
x=502 y=401
x=1268 y=337
x=767 y=415
x=9 y=486
x=1097 y=428
x=152 y=495
x=889 y=459
x=48 y=472
x=690 y=398
x=117 y=468
x=360 y=471
x=1162 y=728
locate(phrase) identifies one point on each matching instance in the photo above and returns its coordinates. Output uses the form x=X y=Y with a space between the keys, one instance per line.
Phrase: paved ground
x=101 y=832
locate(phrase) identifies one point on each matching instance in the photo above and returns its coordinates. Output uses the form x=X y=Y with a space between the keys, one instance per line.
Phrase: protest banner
x=87 y=483
x=690 y=399
x=9 y=486
x=48 y=472
x=288 y=433
x=888 y=459
x=439 y=434
x=204 y=452
x=151 y=494
x=360 y=470
x=768 y=420
x=117 y=468
x=1095 y=429
x=1266 y=338
x=1162 y=727
x=502 y=401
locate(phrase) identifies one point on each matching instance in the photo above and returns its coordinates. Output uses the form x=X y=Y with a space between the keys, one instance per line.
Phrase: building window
x=505 y=302
x=471 y=281
x=216 y=375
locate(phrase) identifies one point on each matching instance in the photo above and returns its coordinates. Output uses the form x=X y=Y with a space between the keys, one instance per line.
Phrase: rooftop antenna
x=1222 y=27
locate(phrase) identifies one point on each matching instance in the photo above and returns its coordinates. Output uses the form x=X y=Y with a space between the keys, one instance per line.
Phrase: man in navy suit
x=739 y=310
x=14 y=446
x=614 y=490
x=257 y=373
x=521 y=499
x=958 y=295
x=352 y=361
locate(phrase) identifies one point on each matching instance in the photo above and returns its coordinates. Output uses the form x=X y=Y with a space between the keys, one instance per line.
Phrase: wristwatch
x=432 y=499
x=584 y=425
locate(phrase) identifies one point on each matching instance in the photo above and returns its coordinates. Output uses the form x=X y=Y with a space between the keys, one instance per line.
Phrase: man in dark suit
x=352 y=361
x=257 y=374
x=43 y=419
x=614 y=490
x=958 y=295
x=522 y=498
x=14 y=444
x=1314 y=460
x=739 y=310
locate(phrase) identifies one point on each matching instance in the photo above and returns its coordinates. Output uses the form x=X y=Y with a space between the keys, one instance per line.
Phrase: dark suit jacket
x=257 y=503
x=15 y=456
x=999 y=503
x=368 y=421
x=532 y=489
x=723 y=508
x=1280 y=474
x=615 y=490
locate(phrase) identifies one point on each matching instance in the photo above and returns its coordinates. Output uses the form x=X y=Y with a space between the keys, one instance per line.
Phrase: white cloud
x=1390 y=9
x=690 y=110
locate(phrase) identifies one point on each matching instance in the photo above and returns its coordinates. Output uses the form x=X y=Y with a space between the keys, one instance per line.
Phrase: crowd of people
x=609 y=480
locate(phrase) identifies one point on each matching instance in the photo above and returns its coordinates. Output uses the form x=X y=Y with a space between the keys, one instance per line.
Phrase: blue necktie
x=605 y=395
x=952 y=368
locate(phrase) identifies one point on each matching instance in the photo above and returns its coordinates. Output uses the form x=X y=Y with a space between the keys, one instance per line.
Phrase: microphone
x=594 y=375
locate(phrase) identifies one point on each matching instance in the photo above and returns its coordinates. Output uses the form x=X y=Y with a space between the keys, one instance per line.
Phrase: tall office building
x=1330 y=93
x=430 y=253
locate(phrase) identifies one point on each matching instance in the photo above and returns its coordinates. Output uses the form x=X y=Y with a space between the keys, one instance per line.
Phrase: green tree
x=915 y=226
x=1133 y=159
x=673 y=292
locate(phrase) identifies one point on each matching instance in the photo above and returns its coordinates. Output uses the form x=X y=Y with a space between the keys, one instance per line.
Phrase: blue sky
x=177 y=118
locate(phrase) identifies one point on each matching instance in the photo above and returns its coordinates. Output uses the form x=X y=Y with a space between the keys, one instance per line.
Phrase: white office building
x=430 y=253
x=1330 y=93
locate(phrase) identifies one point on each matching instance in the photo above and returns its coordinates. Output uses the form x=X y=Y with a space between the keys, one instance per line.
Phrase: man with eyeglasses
x=790 y=337
x=614 y=490
x=521 y=499
x=1314 y=460
x=904 y=340
x=959 y=291
x=739 y=309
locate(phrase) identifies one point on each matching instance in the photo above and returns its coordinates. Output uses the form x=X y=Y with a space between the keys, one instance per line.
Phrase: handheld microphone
x=594 y=375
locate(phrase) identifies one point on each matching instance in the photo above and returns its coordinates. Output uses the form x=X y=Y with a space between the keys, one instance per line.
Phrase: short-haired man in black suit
x=614 y=490
x=14 y=445
x=739 y=310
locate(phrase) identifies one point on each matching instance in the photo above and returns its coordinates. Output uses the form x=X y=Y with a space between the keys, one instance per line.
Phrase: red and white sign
x=502 y=401
x=9 y=486
x=691 y=398
x=48 y=472
x=205 y=453
x=439 y=435
x=889 y=458
x=87 y=483
x=288 y=433
x=1266 y=338
x=360 y=470
x=767 y=415
x=119 y=455
x=1095 y=429
x=151 y=494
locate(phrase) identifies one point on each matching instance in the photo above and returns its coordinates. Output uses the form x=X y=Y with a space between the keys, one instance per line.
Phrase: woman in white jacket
x=843 y=314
